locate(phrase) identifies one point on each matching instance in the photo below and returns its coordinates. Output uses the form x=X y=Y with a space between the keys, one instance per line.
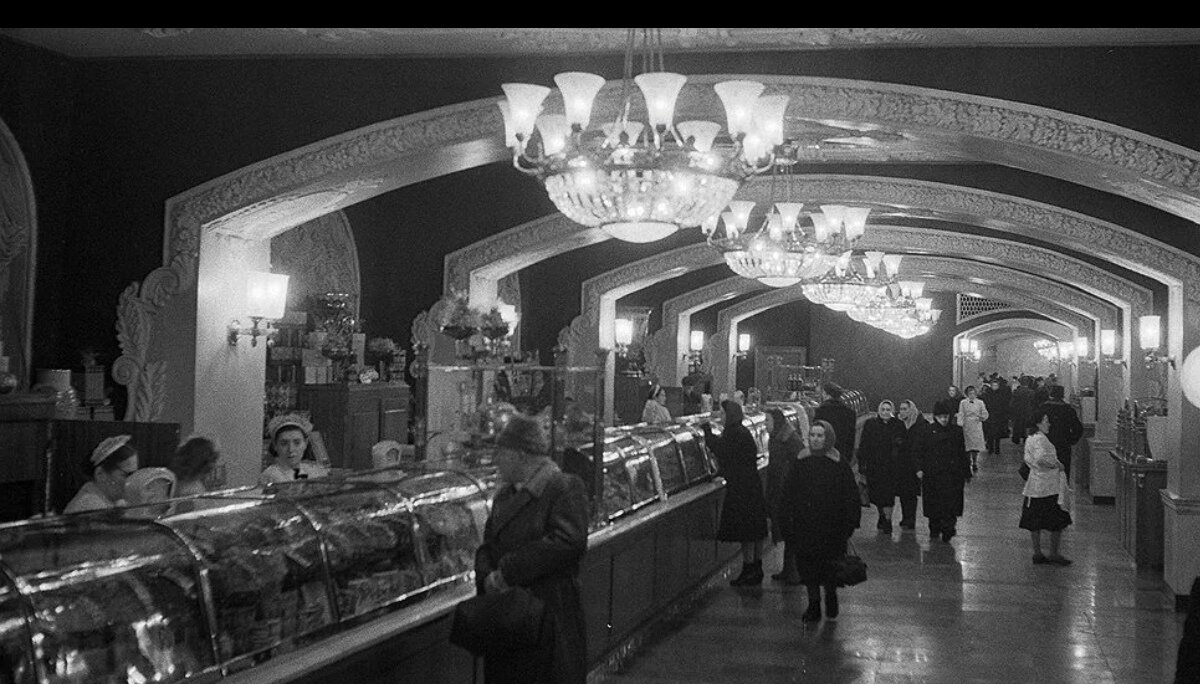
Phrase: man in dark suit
x=1065 y=427
x=1020 y=408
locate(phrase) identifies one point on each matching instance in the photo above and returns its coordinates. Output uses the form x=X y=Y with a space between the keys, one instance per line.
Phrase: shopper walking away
x=784 y=447
x=944 y=469
x=744 y=513
x=879 y=460
x=1045 y=493
x=1066 y=427
x=1021 y=407
x=819 y=512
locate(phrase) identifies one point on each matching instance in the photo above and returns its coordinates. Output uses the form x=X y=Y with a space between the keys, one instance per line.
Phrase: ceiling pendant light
x=640 y=182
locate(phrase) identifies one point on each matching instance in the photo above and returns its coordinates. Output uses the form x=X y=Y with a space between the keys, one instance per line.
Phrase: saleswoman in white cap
x=289 y=442
x=112 y=461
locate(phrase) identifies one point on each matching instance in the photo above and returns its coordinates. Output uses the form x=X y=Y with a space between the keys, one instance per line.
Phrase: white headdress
x=288 y=420
x=107 y=446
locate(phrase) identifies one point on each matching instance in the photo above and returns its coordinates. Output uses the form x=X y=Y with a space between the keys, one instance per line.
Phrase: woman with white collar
x=289 y=443
x=111 y=463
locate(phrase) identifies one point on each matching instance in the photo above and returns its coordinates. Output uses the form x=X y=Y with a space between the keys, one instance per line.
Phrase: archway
x=18 y=258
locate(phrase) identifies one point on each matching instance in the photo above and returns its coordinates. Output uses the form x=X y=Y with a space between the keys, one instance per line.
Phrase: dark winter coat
x=879 y=458
x=844 y=421
x=1021 y=407
x=783 y=454
x=1065 y=429
x=537 y=537
x=909 y=458
x=819 y=510
x=946 y=468
x=744 y=512
x=1002 y=412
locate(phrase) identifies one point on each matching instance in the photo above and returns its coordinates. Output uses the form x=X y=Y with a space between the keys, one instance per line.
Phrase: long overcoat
x=946 y=468
x=819 y=510
x=880 y=459
x=537 y=537
x=744 y=512
x=783 y=454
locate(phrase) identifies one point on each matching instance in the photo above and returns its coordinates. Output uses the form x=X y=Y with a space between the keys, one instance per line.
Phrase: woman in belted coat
x=536 y=537
x=880 y=462
x=744 y=511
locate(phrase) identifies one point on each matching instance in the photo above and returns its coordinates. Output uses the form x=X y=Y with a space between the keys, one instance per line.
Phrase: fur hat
x=945 y=407
x=523 y=434
x=289 y=420
x=107 y=446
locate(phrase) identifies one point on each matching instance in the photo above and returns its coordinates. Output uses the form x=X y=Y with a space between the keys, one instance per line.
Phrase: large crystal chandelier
x=781 y=253
x=899 y=309
x=640 y=182
x=844 y=287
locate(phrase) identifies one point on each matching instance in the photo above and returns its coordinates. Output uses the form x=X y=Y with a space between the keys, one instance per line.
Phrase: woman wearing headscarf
x=655 y=410
x=535 y=537
x=972 y=412
x=944 y=469
x=908 y=486
x=744 y=512
x=112 y=462
x=819 y=511
x=879 y=461
x=784 y=448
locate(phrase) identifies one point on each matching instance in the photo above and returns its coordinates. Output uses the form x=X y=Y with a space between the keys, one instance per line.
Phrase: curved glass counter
x=108 y=599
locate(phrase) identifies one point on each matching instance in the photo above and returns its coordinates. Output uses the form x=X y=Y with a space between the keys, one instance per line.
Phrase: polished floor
x=973 y=610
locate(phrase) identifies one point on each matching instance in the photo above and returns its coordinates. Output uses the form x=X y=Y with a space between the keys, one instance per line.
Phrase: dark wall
x=110 y=141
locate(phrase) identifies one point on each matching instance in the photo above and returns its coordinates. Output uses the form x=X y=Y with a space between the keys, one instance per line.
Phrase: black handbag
x=850 y=569
x=498 y=621
x=1023 y=471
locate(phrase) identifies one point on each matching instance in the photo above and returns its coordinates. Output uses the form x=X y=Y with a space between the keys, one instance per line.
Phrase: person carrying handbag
x=535 y=539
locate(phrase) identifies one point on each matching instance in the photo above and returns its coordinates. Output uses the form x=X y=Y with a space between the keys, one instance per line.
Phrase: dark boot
x=740 y=580
x=831 y=601
x=755 y=577
x=788 y=573
x=813 y=613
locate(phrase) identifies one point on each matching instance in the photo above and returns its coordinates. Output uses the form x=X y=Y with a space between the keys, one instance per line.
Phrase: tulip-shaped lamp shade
x=524 y=105
x=578 y=92
x=266 y=295
x=702 y=133
x=660 y=89
x=554 y=130
x=740 y=99
x=623 y=331
x=1108 y=342
x=696 y=340
x=768 y=118
x=1149 y=331
x=964 y=345
x=744 y=343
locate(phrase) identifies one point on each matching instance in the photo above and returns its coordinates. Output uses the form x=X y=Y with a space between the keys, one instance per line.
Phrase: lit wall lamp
x=1150 y=335
x=695 y=357
x=266 y=299
x=623 y=335
x=968 y=349
x=1066 y=352
x=1108 y=347
x=743 y=345
x=1081 y=347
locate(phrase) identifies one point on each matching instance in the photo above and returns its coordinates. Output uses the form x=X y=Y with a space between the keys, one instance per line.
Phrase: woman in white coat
x=1045 y=493
x=971 y=414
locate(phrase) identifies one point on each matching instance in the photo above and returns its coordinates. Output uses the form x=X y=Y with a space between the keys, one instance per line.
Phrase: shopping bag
x=850 y=569
x=501 y=621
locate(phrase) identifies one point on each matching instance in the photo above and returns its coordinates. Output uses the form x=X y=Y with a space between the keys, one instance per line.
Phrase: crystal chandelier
x=638 y=182
x=844 y=288
x=781 y=253
x=899 y=309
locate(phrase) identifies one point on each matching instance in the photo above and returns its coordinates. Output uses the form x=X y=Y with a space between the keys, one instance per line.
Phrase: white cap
x=288 y=420
x=107 y=446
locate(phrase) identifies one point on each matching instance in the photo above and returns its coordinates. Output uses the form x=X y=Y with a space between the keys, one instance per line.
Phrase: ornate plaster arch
x=18 y=257
x=728 y=318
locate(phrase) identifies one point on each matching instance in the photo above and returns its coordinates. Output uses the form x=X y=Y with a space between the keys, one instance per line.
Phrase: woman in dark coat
x=879 y=461
x=944 y=469
x=1021 y=407
x=784 y=448
x=744 y=512
x=535 y=537
x=908 y=486
x=819 y=510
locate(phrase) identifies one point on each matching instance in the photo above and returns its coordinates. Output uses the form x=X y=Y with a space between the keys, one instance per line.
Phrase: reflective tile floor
x=973 y=610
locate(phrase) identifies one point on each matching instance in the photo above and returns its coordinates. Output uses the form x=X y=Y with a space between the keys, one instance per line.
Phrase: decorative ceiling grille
x=968 y=307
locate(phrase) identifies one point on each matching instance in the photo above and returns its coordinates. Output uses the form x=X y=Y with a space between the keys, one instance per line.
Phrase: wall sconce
x=1189 y=377
x=1066 y=352
x=508 y=314
x=1081 y=347
x=968 y=349
x=266 y=299
x=1150 y=336
x=623 y=335
x=694 y=355
x=743 y=345
x=1108 y=347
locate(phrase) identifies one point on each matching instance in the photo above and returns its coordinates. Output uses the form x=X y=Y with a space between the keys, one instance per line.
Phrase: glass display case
x=660 y=442
x=265 y=568
x=149 y=594
x=107 y=599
